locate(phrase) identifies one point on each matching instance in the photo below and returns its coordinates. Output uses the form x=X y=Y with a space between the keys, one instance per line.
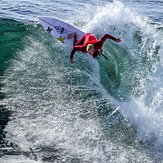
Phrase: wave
x=11 y=33
x=76 y=108
x=138 y=66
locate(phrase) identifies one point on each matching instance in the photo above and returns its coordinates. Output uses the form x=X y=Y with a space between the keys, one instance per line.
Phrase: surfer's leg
x=75 y=39
x=70 y=36
x=73 y=35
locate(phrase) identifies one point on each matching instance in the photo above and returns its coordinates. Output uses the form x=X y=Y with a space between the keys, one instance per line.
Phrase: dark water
x=51 y=111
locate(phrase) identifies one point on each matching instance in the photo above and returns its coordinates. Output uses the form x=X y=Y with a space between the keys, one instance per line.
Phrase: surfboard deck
x=60 y=29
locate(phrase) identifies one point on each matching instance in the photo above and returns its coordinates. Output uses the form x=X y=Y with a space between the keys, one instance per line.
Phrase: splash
x=141 y=74
x=66 y=109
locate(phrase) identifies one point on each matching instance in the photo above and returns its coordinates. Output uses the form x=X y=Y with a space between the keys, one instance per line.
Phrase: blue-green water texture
x=53 y=111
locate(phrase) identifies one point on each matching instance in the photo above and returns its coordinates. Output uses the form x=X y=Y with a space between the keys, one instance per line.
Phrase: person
x=89 y=43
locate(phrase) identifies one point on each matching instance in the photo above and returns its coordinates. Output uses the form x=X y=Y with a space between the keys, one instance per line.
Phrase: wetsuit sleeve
x=100 y=43
x=77 y=48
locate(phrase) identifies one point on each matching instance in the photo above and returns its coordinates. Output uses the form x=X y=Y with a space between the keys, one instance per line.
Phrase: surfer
x=89 y=43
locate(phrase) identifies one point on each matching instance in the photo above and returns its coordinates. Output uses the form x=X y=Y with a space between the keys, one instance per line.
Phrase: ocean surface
x=55 y=112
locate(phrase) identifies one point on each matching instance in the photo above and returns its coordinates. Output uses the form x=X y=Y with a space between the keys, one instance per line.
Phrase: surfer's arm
x=74 y=49
x=107 y=36
x=103 y=39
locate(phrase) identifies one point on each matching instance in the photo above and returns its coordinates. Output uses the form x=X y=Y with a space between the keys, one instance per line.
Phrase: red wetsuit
x=89 y=38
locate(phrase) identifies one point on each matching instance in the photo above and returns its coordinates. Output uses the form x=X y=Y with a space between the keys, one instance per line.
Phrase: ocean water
x=55 y=112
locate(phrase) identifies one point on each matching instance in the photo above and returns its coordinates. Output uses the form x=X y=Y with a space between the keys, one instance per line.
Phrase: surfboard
x=60 y=29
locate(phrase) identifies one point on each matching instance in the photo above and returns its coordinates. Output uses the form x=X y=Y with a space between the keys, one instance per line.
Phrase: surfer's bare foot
x=72 y=35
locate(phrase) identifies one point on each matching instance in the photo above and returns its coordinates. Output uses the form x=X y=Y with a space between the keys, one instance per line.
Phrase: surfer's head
x=90 y=49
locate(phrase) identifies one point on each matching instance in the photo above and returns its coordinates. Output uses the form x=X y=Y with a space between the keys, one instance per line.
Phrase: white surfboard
x=60 y=29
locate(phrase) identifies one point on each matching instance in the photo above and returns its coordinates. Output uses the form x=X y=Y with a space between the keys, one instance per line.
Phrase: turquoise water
x=52 y=111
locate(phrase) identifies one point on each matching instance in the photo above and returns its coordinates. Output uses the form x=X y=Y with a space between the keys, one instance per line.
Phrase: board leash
x=107 y=57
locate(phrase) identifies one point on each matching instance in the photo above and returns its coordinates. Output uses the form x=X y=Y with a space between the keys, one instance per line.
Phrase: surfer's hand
x=71 y=61
x=118 y=39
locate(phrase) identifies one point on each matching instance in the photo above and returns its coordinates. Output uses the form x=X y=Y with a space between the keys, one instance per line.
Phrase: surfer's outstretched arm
x=107 y=36
x=100 y=43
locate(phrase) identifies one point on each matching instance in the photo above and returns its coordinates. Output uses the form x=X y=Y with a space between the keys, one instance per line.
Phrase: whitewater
x=52 y=111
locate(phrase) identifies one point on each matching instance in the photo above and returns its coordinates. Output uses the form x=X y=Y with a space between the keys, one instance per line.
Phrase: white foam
x=17 y=159
x=52 y=108
x=145 y=111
